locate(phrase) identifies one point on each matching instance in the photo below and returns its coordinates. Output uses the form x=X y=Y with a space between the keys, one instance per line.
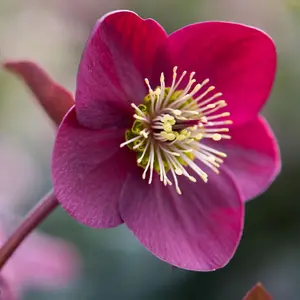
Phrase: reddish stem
x=31 y=221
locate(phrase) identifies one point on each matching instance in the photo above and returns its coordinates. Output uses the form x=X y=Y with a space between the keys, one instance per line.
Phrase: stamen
x=152 y=151
x=185 y=97
x=180 y=170
x=130 y=141
x=209 y=149
x=200 y=172
x=225 y=114
x=169 y=127
x=140 y=118
x=149 y=161
x=174 y=177
x=138 y=110
x=202 y=103
x=226 y=122
x=169 y=152
x=190 y=112
x=211 y=88
x=139 y=145
x=175 y=87
x=215 y=129
x=144 y=133
x=208 y=160
x=176 y=112
x=144 y=152
x=151 y=94
x=163 y=176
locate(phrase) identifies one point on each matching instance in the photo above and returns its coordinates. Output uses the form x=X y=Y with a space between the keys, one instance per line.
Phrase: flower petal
x=46 y=262
x=53 y=97
x=253 y=157
x=6 y=289
x=119 y=55
x=199 y=230
x=239 y=60
x=88 y=172
x=258 y=292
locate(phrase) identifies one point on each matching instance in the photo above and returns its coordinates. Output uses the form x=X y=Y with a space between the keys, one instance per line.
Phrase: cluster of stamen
x=170 y=126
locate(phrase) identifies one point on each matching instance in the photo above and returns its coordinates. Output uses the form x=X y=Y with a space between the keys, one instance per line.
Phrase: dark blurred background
x=115 y=265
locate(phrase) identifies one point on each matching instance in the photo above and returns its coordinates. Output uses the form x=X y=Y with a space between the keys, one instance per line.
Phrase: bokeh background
x=113 y=264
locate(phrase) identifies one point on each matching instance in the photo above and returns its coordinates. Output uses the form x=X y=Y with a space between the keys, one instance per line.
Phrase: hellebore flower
x=41 y=262
x=5 y=292
x=155 y=116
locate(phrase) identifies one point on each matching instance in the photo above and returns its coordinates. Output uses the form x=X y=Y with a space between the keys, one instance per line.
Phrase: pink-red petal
x=88 y=172
x=258 y=292
x=53 y=97
x=46 y=262
x=239 y=60
x=6 y=289
x=199 y=230
x=253 y=157
x=119 y=55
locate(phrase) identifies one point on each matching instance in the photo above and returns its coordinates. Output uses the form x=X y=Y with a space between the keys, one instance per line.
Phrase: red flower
x=139 y=87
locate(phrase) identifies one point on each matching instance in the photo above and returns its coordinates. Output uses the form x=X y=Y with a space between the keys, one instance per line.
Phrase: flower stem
x=31 y=221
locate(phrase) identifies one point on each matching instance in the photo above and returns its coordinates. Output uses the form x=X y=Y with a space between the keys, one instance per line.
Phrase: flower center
x=171 y=126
